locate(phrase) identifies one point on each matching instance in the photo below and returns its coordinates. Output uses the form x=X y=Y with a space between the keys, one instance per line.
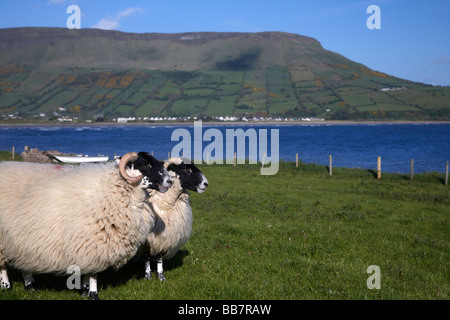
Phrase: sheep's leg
x=4 y=280
x=159 y=269
x=28 y=280
x=85 y=285
x=148 y=269
x=93 y=294
x=89 y=286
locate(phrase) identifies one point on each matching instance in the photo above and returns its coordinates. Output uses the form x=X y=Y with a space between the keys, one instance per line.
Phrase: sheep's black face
x=154 y=175
x=190 y=176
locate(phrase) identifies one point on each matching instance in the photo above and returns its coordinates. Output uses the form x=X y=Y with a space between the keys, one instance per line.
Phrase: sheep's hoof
x=31 y=287
x=84 y=291
x=5 y=286
x=148 y=276
x=161 y=276
x=93 y=296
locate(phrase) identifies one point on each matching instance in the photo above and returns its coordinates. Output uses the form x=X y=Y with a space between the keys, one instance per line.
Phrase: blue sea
x=351 y=145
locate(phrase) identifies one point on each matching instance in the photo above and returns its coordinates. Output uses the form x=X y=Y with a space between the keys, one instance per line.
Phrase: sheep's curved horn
x=176 y=161
x=129 y=157
x=166 y=164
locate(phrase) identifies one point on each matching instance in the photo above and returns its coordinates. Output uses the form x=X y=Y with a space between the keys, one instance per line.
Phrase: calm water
x=354 y=145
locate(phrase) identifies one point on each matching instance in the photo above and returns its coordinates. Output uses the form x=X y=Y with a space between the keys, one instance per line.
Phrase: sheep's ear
x=145 y=156
x=146 y=159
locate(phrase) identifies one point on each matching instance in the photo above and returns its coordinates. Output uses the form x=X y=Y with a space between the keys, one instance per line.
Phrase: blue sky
x=413 y=42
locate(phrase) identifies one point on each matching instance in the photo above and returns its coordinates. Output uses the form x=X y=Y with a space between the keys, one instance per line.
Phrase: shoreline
x=215 y=123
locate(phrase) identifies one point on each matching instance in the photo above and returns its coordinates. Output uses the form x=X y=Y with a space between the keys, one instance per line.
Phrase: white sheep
x=93 y=216
x=173 y=214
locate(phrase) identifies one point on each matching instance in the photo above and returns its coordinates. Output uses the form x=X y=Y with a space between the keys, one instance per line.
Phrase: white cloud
x=106 y=24
x=127 y=12
x=113 y=22
x=55 y=1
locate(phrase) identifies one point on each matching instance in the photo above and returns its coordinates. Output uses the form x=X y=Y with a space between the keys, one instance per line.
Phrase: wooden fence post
x=446 y=173
x=296 y=160
x=412 y=169
x=379 y=168
x=13 y=152
x=331 y=165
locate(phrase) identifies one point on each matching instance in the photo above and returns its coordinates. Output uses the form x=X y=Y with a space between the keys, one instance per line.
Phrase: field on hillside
x=299 y=234
x=340 y=92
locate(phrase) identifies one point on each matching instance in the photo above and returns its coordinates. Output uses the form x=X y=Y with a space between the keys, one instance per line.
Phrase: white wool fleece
x=173 y=220
x=87 y=216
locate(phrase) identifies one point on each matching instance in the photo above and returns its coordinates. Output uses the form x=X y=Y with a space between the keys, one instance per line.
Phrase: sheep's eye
x=185 y=170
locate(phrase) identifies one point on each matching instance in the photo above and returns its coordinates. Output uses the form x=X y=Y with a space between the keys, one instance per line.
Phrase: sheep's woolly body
x=173 y=221
x=86 y=216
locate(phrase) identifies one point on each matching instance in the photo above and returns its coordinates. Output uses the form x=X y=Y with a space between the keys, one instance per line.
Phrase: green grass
x=221 y=106
x=224 y=92
x=151 y=108
x=299 y=234
x=189 y=107
x=7 y=156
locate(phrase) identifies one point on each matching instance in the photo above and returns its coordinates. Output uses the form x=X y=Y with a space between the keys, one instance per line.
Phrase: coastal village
x=57 y=118
x=224 y=119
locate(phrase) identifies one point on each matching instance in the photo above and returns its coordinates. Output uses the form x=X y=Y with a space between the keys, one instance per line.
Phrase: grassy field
x=341 y=94
x=299 y=234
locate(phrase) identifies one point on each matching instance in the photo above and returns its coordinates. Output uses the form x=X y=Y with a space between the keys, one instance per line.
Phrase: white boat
x=81 y=159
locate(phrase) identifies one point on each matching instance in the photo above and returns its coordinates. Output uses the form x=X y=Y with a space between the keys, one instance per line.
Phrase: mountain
x=92 y=48
x=91 y=73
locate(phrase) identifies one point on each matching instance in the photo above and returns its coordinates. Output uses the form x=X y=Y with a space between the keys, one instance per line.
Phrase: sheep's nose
x=205 y=184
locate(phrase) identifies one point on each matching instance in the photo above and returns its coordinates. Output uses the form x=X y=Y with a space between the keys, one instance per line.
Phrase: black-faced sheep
x=93 y=216
x=173 y=214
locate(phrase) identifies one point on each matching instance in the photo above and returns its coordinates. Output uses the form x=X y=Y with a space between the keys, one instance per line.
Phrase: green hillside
x=49 y=73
